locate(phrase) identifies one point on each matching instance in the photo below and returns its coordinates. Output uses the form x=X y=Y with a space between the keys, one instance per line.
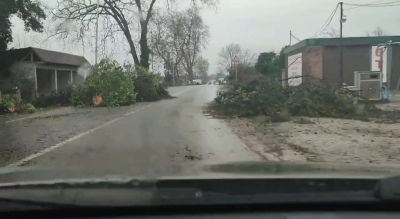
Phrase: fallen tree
x=149 y=86
x=313 y=98
x=107 y=85
x=111 y=85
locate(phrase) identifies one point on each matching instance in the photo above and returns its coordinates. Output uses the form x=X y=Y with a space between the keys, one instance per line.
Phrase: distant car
x=221 y=81
x=197 y=81
x=211 y=82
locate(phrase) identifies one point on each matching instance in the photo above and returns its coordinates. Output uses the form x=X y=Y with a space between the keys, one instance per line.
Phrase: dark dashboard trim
x=187 y=210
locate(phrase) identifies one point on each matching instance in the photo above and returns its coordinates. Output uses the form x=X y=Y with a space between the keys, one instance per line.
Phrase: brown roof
x=49 y=56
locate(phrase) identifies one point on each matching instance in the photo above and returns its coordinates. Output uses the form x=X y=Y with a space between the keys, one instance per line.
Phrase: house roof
x=343 y=41
x=48 y=56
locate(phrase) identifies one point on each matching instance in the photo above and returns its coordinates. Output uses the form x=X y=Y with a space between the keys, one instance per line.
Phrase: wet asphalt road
x=144 y=136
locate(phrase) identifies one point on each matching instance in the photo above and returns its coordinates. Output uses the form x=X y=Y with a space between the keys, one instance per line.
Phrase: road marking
x=60 y=144
x=30 y=117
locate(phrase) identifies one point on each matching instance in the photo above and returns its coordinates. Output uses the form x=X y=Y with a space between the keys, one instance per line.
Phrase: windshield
x=154 y=88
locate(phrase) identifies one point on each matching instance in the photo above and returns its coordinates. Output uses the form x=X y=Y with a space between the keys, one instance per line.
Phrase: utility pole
x=341 y=46
x=173 y=72
x=236 y=62
x=236 y=72
x=97 y=33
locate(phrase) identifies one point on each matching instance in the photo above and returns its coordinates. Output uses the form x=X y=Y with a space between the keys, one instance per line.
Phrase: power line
x=327 y=22
x=295 y=37
x=379 y=6
x=373 y=4
x=361 y=6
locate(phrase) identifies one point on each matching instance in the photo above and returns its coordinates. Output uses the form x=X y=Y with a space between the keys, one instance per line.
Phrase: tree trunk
x=190 y=75
x=144 y=48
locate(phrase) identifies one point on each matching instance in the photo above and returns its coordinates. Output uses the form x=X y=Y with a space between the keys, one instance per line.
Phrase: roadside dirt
x=321 y=140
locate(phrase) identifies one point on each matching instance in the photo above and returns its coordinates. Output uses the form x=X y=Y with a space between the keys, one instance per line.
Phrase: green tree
x=271 y=64
x=281 y=58
x=267 y=63
x=28 y=11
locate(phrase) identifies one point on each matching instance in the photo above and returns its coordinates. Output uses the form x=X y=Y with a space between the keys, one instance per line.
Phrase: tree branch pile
x=313 y=98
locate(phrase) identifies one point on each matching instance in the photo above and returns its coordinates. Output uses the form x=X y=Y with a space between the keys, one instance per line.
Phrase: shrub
x=6 y=106
x=109 y=81
x=61 y=97
x=30 y=108
x=149 y=86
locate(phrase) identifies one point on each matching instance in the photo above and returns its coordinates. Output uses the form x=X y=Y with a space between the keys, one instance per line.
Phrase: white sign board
x=376 y=61
x=295 y=69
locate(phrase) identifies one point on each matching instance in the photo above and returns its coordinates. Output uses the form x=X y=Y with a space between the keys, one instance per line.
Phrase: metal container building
x=320 y=58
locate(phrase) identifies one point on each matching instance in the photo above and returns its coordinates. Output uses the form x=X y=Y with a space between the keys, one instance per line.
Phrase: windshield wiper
x=82 y=184
x=275 y=190
x=217 y=191
x=76 y=193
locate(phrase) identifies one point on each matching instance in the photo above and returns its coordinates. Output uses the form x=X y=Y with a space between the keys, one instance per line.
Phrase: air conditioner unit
x=369 y=84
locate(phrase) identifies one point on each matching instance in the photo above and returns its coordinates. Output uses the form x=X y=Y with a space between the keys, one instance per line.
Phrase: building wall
x=285 y=82
x=355 y=58
x=395 y=73
x=64 y=73
x=331 y=68
x=312 y=62
x=23 y=72
x=22 y=77
x=24 y=69
x=323 y=62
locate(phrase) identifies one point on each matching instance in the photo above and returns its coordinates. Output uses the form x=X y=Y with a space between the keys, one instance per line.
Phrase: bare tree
x=178 y=39
x=119 y=15
x=202 y=66
x=332 y=33
x=247 y=58
x=228 y=54
x=198 y=34
x=377 y=32
x=168 y=38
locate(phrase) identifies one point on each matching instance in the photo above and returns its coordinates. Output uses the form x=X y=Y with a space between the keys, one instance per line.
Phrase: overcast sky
x=257 y=25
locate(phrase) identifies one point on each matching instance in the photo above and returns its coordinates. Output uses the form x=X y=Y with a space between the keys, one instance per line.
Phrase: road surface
x=148 y=137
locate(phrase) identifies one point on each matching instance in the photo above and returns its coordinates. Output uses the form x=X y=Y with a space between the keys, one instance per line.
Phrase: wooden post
x=55 y=79
x=35 y=71
x=18 y=97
